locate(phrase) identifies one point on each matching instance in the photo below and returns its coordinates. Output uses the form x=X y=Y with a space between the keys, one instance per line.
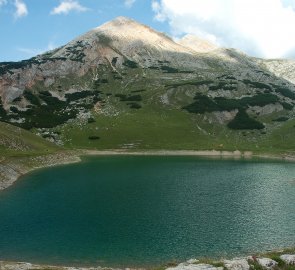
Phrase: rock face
x=281 y=68
x=197 y=44
x=124 y=39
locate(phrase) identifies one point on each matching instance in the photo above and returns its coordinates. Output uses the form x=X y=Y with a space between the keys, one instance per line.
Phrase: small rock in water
x=288 y=259
x=237 y=264
x=267 y=263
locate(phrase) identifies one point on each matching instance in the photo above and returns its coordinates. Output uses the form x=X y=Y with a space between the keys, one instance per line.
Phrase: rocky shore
x=209 y=153
x=271 y=262
x=12 y=168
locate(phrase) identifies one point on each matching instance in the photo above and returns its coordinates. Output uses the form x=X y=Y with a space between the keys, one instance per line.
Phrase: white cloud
x=21 y=9
x=66 y=6
x=262 y=28
x=129 y=3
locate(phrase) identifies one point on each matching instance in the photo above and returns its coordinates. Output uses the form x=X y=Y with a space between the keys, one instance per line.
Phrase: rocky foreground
x=272 y=262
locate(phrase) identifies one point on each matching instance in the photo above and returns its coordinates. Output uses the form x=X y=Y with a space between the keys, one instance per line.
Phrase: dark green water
x=142 y=211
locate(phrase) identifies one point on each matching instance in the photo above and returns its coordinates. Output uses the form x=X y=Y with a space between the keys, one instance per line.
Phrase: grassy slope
x=159 y=126
x=164 y=126
x=173 y=129
x=18 y=142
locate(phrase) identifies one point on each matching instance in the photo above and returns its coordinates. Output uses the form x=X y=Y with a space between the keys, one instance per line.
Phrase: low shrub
x=258 y=85
x=130 y=64
x=259 y=100
x=31 y=98
x=285 y=92
x=287 y=106
x=78 y=95
x=202 y=104
x=169 y=69
x=134 y=105
x=244 y=121
x=281 y=119
x=93 y=138
x=129 y=98
x=91 y=120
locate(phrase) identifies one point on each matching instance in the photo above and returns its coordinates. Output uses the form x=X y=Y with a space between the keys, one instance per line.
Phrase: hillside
x=22 y=151
x=124 y=85
x=15 y=141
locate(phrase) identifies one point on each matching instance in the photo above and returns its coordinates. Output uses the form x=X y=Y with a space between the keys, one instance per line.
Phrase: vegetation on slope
x=135 y=108
x=243 y=121
x=15 y=141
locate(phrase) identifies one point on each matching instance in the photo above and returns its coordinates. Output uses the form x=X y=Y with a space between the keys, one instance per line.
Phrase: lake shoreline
x=12 y=169
x=272 y=260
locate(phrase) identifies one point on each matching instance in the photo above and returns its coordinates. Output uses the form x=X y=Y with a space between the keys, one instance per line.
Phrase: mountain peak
x=128 y=35
x=118 y=21
x=197 y=44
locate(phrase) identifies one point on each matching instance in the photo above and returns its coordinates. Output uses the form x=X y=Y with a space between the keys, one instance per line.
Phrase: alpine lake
x=144 y=211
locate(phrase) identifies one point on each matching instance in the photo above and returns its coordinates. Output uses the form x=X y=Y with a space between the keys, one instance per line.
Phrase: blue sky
x=39 y=29
x=262 y=28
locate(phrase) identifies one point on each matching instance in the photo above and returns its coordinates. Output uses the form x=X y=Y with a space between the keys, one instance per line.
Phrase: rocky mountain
x=197 y=44
x=124 y=85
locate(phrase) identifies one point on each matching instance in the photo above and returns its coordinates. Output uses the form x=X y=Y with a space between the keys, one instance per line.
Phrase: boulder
x=267 y=263
x=237 y=264
x=200 y=266
x=288 y=259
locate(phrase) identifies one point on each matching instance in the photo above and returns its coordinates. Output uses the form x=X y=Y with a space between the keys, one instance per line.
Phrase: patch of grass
x=15 y=141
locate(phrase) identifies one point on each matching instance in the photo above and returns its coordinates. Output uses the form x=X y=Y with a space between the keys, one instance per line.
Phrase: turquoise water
x=144 y=211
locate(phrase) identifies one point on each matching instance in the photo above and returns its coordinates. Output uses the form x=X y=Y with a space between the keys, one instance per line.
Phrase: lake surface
x=144 y=211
